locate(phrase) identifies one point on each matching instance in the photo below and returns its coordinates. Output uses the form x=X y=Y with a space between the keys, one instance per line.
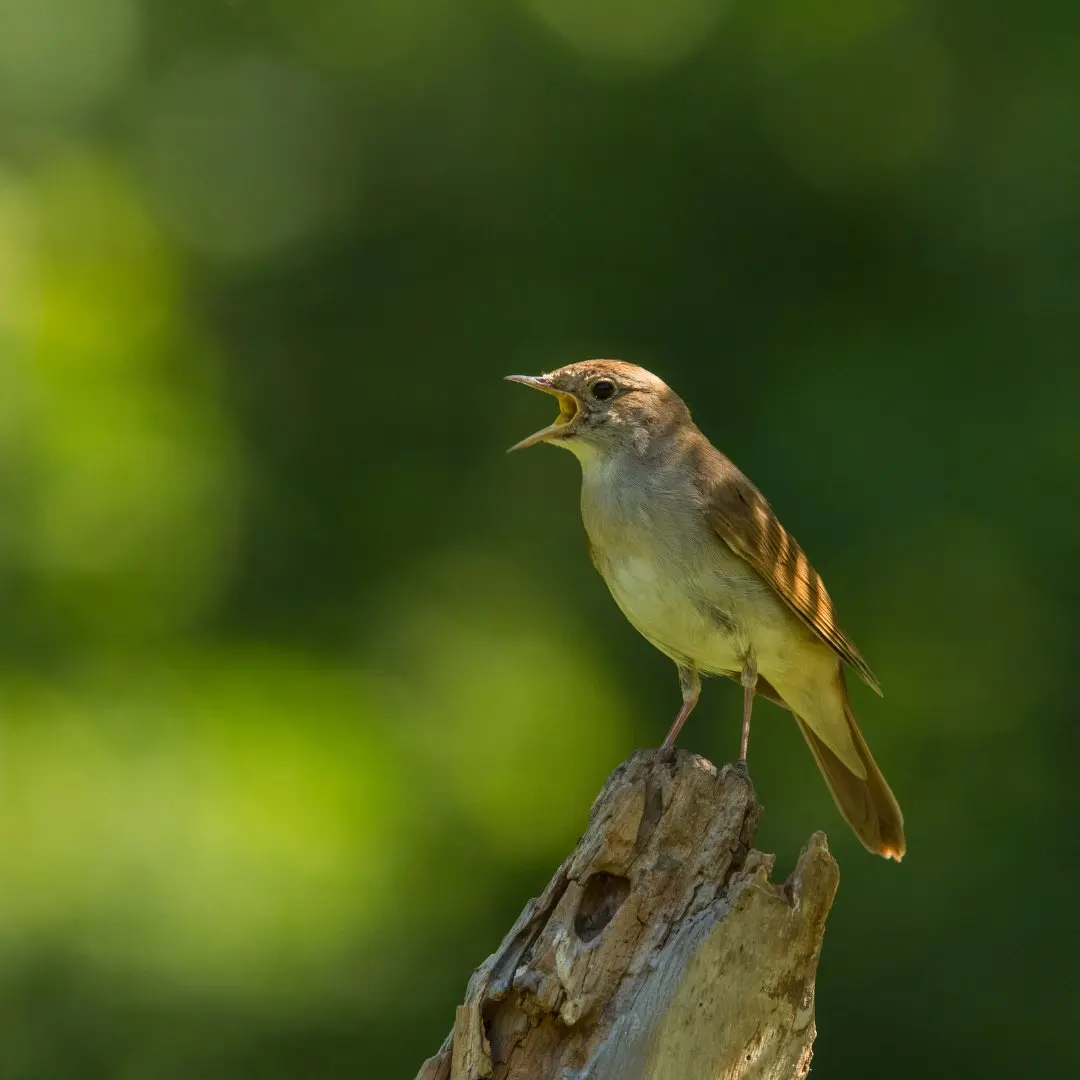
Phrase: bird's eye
x=602 y=389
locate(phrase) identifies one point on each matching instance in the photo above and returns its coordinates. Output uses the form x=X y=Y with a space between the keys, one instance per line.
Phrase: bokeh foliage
x=305 y=688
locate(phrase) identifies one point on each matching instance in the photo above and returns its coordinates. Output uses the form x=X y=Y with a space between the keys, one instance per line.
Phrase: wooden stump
x=660 y=950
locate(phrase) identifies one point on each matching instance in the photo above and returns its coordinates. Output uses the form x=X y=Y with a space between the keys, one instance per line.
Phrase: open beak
x=569 y=407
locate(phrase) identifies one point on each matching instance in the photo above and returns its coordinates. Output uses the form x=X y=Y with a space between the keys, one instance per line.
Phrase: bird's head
x=604 y=406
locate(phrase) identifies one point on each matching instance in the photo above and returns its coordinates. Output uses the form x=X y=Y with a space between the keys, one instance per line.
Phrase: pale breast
x=664 y=570
x=660 y=608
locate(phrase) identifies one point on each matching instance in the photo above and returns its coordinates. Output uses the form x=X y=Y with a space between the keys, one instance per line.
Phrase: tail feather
x=869 y=805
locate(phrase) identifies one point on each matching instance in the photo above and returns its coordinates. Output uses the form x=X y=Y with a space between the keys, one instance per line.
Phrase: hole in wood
x=603 y=896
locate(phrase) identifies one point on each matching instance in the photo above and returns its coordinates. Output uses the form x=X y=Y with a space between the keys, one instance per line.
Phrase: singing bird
x=699 y=563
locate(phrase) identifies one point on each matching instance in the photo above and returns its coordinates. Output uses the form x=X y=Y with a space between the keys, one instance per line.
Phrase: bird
x=698 y=562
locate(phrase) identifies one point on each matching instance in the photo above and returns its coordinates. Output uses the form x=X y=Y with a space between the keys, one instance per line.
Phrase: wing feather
x=747 y=524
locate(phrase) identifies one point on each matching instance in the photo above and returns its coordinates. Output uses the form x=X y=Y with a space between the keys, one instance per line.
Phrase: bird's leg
x=691 y=691
x=749 y=684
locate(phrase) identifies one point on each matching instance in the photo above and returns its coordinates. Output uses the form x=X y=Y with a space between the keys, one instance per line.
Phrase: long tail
x=869 y=806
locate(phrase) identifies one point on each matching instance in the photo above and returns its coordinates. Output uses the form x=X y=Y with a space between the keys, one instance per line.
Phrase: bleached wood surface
x=660 y=950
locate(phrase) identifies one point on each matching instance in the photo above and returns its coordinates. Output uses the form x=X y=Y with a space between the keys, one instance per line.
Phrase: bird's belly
x=674 y=616
x=708 y=617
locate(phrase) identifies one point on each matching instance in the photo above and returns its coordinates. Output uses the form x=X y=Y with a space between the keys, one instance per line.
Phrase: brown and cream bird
x=699 y=563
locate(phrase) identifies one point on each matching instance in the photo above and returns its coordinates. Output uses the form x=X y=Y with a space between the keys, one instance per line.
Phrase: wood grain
x=660 y=950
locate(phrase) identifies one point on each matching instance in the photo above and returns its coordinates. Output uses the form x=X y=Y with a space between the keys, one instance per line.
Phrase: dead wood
x=660 y=950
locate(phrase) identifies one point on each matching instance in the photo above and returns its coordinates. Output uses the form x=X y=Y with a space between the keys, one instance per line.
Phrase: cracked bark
x=660 y=950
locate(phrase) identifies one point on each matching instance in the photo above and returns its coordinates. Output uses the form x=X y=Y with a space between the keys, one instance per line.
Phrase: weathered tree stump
x=660 y=950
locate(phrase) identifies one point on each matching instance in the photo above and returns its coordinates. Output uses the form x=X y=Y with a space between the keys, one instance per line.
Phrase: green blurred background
x=305 y=687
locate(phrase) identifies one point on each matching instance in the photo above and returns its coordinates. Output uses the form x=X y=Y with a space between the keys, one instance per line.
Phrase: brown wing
x=746 y=522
